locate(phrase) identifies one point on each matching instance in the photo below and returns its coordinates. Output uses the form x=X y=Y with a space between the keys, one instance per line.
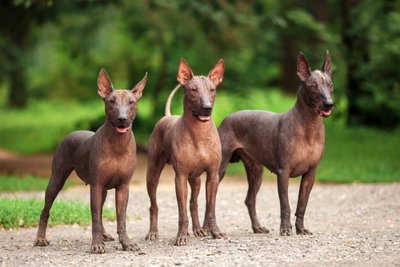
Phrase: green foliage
x=17 y=212
x=28 y=183
x=376 y=26
x=65 y=47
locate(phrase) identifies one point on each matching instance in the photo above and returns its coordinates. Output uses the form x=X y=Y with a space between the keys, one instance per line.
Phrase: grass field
x=17 y=212
x=352 y=154
x=12 y=183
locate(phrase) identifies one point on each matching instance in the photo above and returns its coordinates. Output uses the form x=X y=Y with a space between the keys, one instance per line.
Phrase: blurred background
x=51 y=53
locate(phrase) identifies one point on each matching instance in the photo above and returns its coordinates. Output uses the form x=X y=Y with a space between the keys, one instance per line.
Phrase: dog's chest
x=304 y=154
x=197 y=155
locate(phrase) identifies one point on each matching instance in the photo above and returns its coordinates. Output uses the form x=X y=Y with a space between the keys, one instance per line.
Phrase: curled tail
x=169 y=100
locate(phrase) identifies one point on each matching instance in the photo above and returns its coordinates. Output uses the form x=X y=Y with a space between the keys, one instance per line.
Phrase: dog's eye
x=131 y=102
x=112 y=101
x=212 y=90
x=193 y=89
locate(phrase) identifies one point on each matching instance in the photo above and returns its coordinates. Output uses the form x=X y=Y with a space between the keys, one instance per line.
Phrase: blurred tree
x=16 y=19
x=56 y=49
x=371 y=36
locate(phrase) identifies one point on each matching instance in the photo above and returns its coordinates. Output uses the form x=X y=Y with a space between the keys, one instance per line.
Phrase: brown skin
x=105 y=159
x=191 y=144
x=289 y=144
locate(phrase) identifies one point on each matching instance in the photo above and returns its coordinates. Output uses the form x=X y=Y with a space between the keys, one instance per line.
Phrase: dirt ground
x=357 y=225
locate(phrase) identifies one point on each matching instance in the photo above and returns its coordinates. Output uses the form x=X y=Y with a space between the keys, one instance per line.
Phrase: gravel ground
x=357 y=225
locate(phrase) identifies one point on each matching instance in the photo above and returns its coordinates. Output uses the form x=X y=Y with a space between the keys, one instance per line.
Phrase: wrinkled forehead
x=199 y=82
x=320 y=77
x=123 y=94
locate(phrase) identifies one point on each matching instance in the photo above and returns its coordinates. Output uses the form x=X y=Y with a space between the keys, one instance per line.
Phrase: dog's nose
x=122 y=119
x=206 y=108
x=328 y=104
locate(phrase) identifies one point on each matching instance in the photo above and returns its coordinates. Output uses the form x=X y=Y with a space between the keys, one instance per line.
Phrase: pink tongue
x=122 y=130
x=204 y=118
x=326 y=113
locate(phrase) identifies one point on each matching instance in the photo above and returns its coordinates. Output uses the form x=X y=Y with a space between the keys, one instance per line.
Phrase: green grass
x=12 y=183
x=17 y=212
x=353 y=155
x=40 y=126
x=360 y=155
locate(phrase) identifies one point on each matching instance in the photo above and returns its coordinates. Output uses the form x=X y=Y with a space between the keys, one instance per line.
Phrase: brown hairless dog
x=191 y=144
x=105 y=159
x=289 y=144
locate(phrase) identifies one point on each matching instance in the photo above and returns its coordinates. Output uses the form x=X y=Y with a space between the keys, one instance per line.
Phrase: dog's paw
x=200 y=232
x=107 y=237
x=41 y=242
x=303 y=231
x=181 y=240
x=98 y=248
x=130 y=247
x=260 y=230
x=285 y=232
x=152 y=236
x=219 y=235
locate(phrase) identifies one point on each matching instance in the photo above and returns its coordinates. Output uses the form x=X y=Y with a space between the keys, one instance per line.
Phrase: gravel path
x=352 y=224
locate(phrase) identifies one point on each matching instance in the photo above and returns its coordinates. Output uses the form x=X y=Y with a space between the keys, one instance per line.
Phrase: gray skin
x=105 y=159
x=191 y=144
x=289 y=144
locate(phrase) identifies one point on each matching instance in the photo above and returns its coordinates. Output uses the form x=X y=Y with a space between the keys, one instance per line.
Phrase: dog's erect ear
x=185 y=74
x=217 y=73
x=138 y=89
x=327 y=64
x=303 y=69
x=104 y=84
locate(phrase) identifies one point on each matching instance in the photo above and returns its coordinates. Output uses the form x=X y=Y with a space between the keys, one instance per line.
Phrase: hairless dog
x=289 y=144
x=191 y=144
x=105 y=159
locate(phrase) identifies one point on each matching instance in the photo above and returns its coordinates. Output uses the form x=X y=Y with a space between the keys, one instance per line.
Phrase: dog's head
x=200 y=90
x=120 y=105
x=317 y=84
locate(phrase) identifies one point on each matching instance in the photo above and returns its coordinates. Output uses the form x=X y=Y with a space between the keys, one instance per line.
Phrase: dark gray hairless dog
x=289 y=144
x=105 y=159
x=191 y=144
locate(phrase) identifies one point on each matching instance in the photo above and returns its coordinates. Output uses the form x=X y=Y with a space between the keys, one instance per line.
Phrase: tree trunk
x=289 y=50
x=15 y=28
x=356 y=53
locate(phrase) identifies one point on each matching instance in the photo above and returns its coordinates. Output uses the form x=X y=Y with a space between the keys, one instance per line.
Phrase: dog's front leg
x=283 y=184
x=121 y=202
x=181 y=196
x=96 y=199
x=307 y=182
x=210 y=223
x=195 y=184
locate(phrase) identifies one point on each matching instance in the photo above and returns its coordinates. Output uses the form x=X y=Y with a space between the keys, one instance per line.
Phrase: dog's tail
x=169 y=100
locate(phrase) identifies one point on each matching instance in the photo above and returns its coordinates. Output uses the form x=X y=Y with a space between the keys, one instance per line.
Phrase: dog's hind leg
x=156 y=164
x=61 y=169
x=195 y=184
x=254 y=172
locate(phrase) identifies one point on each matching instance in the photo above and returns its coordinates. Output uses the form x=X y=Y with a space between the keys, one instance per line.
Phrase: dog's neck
x=307 y=116
x=118 y=140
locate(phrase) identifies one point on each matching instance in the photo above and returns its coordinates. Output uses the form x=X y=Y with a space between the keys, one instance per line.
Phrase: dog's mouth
x=201 y=117
x=324 y=113
x=122 y=128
